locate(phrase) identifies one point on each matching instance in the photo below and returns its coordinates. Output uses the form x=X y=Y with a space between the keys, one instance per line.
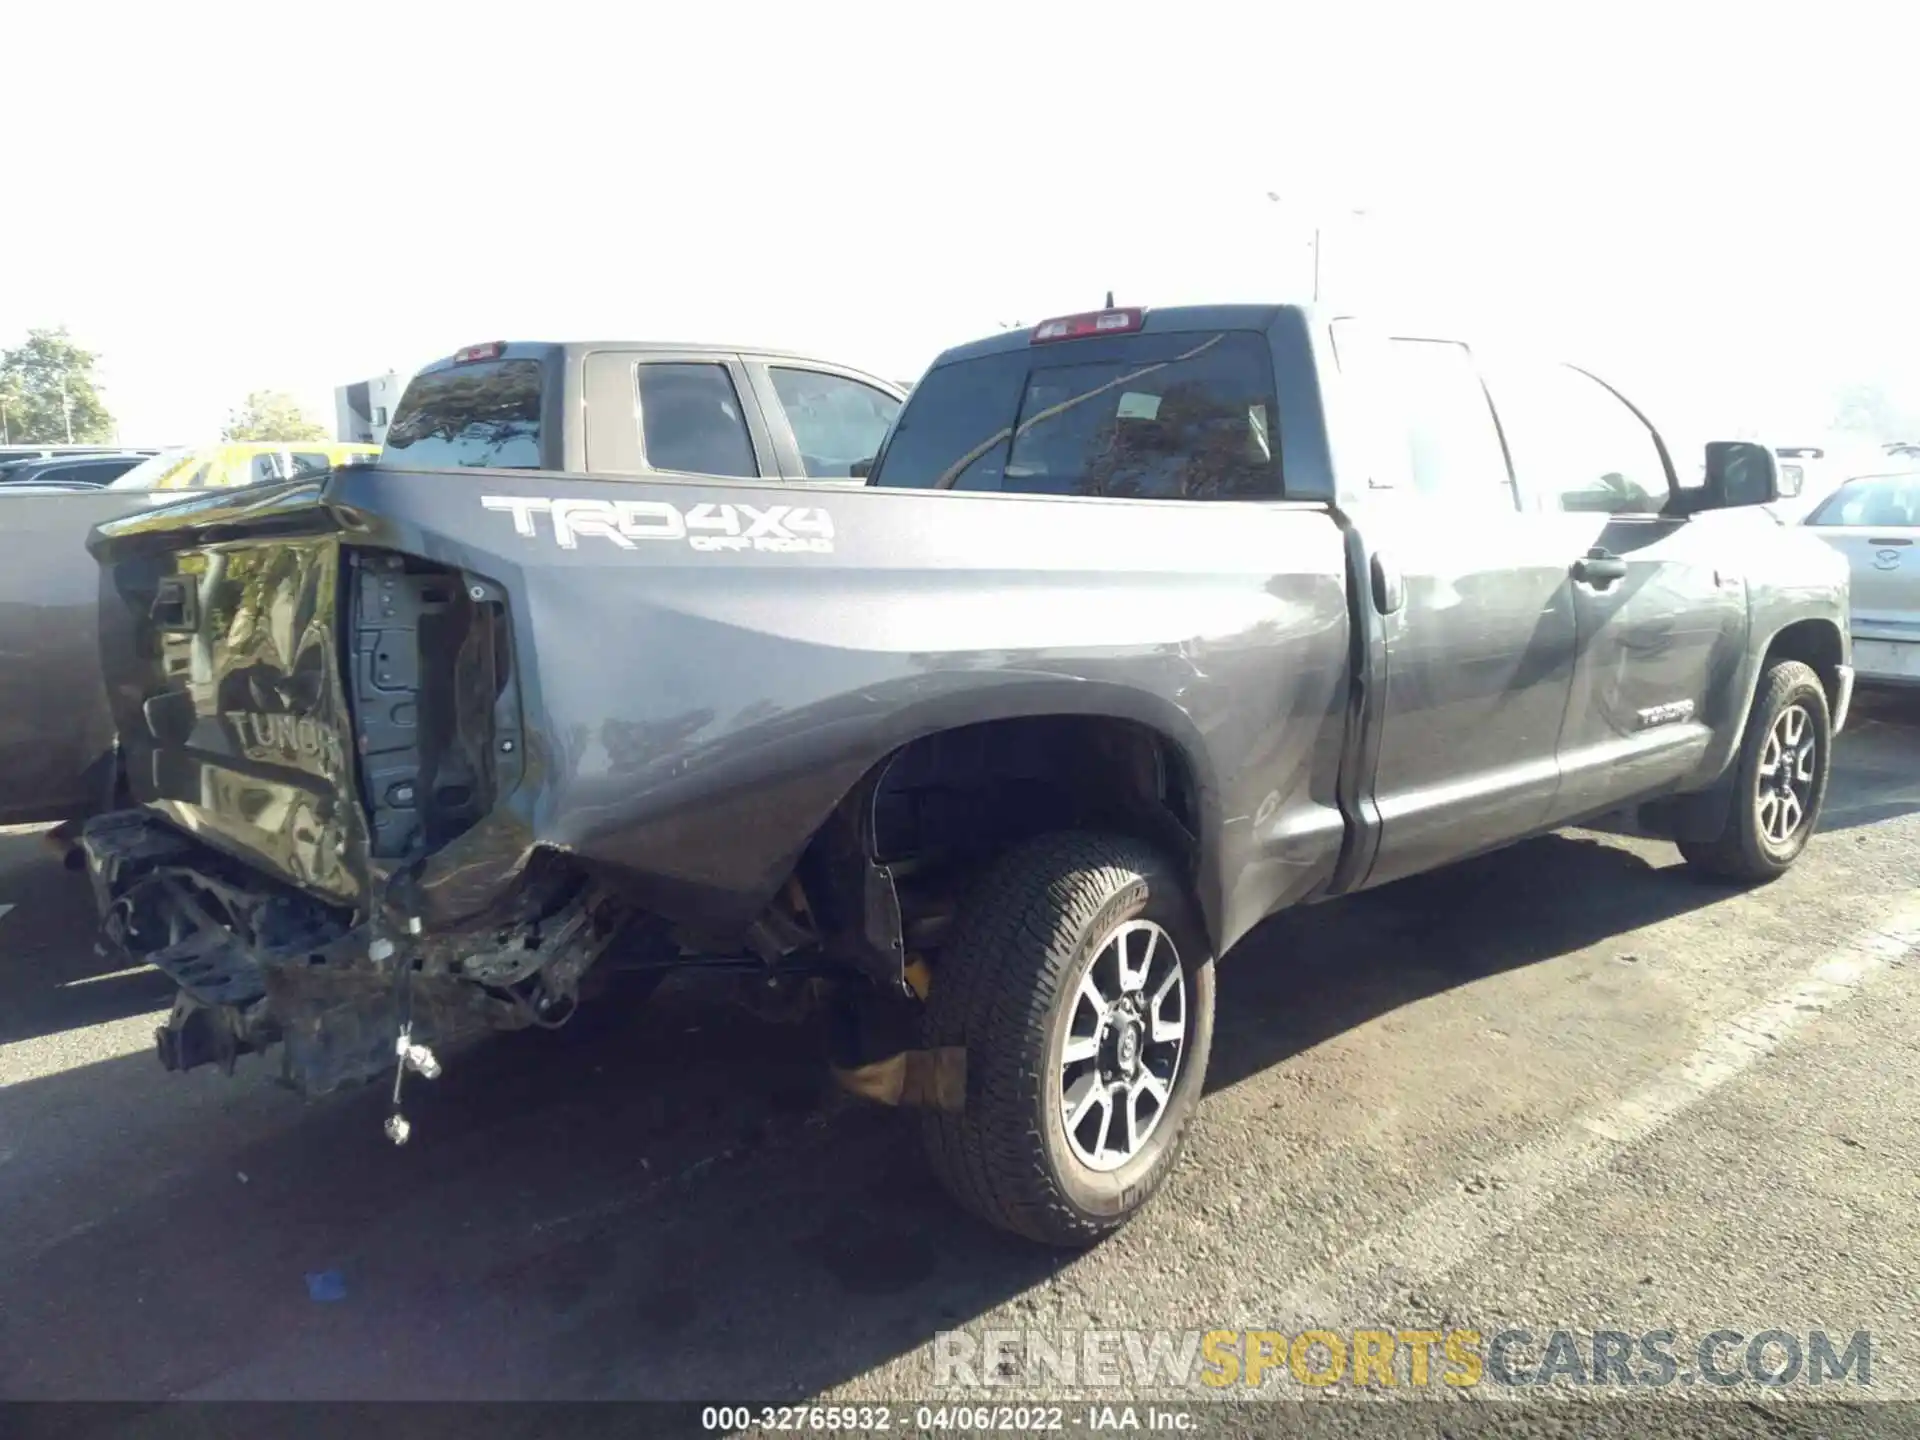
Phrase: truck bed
x=395 y=689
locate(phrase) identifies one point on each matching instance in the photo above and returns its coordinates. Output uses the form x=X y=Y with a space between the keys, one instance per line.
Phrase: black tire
x=1005 y=989
x=1744 y=851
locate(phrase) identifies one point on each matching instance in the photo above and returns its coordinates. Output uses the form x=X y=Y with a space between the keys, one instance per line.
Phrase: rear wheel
x=1780 y=781
x=1080 y=984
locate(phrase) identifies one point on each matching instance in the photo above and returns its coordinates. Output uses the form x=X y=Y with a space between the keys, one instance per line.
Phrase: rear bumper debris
x=261 y=965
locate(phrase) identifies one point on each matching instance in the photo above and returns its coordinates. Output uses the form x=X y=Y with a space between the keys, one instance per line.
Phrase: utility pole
x=66 y=410
x=1353 y=211
x=6 y=433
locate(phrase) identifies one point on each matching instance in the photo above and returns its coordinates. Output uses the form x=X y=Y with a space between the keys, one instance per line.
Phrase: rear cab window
x=480 y=413
x=1185 y=415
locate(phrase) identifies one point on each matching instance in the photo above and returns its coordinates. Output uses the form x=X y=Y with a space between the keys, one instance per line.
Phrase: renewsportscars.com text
x=1410 y=1358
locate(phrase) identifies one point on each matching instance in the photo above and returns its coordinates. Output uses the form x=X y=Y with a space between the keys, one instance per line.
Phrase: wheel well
x=974 y=790
x=882 y=879
x=1815 y=643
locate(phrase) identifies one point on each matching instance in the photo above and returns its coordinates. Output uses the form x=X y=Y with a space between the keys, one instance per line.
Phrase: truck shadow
x=50 y=978
x=1313 y=973
x=1876 y=779
x=674 y=1207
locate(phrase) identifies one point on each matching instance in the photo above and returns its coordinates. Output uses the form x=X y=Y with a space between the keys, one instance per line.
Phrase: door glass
x=1453 y=446
x=1577 y=446
x=690 y=420
x=836 y=421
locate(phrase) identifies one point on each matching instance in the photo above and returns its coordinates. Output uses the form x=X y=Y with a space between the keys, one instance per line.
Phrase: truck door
x=1477 y=615
x=1658 y=601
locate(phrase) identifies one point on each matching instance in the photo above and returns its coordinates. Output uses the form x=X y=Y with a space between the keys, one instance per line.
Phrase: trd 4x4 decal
x=778 y=529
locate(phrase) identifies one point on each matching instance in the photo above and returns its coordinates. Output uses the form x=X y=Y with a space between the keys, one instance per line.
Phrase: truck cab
x=630 y=408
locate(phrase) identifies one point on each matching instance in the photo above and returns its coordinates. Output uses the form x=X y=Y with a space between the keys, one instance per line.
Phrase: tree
x=272 y=415
x=1864 y=408
x=48 y=389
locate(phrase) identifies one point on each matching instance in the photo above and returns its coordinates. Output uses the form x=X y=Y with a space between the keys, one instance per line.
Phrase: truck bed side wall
x=693 y=714
x=696 y=714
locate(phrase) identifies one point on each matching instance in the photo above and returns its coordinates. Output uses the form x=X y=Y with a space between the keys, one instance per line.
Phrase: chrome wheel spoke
x=1133 y=979
x=1089 y=1091
x=1151 y=1084
x=1122 y=1105
x=1089 y=995
x=1164 y=1028
x=1080 y=1048
x=1790 y=813
x=1106 y=1123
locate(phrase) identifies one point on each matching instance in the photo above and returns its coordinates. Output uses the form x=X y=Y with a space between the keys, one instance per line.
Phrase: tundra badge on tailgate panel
x=780 y=529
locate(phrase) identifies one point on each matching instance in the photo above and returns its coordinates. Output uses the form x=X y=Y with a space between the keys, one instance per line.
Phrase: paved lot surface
x=1564 y=1087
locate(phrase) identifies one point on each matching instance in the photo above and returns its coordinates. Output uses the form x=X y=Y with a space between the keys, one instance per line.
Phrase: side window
x=836 y=421
x=262 y=468
x=1453 y=446
x=1577 y=447
x=308 y=462
x=690 y=420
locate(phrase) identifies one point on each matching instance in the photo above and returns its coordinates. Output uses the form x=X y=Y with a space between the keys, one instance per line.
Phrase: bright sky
x=1713 y=207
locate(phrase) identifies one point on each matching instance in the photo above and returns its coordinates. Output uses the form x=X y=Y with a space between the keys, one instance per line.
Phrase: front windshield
x=154 y=472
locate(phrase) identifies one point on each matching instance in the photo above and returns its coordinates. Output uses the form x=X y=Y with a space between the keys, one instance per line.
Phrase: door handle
x=1599 y=568
x=1389 y=591
x=1890 y=540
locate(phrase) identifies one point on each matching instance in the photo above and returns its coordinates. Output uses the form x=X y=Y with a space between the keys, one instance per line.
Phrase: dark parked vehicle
x=703 y=408
x=1148 y=625
x=87 y=470
x=10 y=453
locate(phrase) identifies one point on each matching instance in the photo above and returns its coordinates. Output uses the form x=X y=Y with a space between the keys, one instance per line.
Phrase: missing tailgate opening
x=436 y=715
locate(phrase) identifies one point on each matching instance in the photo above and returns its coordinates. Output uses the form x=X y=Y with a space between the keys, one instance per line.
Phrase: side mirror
x=1739 y=473
x=861 y=469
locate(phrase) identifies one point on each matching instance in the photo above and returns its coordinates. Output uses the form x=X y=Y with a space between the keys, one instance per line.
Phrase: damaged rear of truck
x=414 y=754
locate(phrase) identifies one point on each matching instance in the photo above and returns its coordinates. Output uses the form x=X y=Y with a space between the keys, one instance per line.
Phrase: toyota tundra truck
x=1145 y=625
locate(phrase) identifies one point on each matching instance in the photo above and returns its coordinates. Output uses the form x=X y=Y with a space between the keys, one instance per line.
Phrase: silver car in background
x=1874 y=520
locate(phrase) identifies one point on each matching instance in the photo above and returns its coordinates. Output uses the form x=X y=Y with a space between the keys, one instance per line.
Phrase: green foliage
x=47 y=386
x=272 y=415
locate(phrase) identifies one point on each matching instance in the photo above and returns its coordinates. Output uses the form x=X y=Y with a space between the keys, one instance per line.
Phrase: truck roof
x=1165 y=317
x=541 y=349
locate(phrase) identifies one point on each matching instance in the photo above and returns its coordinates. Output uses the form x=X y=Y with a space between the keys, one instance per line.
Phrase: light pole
x=66 y=410
x=1357 y=214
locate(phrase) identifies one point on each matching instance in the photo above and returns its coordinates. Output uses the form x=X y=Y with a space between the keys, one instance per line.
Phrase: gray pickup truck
x=706 y=409
x=1146 y=625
